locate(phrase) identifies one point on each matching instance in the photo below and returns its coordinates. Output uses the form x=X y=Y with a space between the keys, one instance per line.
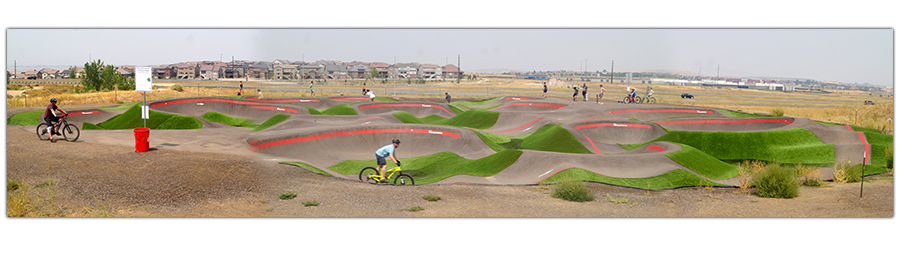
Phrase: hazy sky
x=845 y=55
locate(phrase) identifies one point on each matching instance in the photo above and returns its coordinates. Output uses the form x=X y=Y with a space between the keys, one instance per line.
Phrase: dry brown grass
x=746 y=171
x=843 y=173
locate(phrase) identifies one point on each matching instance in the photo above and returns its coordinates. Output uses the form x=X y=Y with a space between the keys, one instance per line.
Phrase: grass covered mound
x=795 y=145
x=880 y=144
x=550 y=137
x=478 y=119
x=337 y=110
x=439 y=166
x=673 y=179
x=26 y=118
x=703 y=164
x=158 y=120
x=229 y=120
x=121 y=107
x=308 y=167
x=475 y=102
x=741 y=114
x=272 y=121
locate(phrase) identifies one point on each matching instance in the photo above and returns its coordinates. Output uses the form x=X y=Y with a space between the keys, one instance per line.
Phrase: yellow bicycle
x=370 y=175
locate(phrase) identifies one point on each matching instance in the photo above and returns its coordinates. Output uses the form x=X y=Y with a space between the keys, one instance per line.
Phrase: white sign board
x=145 y=112
x=143 y=82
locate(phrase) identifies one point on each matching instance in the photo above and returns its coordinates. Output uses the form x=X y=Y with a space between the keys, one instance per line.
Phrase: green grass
x=158 y=120
x=740 y=114
x=414 y=209
x=311 y=203
x=827 y=123
x=478 y=119
x=309 y=167
x=673 y=179
x=550 y=137
x=439 y=166
x=475 y=102
x=431 y=198
x=703 y=164
x=384 y=99
x=26 y=118
x=272 y=121
x=795 y=145
x=121 y=107
x=287 y=196
x=229 y=120
x=337 y=110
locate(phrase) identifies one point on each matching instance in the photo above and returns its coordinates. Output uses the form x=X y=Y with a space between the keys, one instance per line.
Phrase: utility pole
x=459 y=71
x=611 y=71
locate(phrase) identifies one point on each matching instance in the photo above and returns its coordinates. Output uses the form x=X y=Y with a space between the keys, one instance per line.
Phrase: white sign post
x=143 y=82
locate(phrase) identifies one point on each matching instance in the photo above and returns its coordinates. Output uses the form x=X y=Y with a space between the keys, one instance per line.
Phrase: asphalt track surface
x=322 y=140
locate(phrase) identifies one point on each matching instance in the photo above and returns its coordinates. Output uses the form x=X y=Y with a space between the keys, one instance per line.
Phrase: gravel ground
x=167 y=183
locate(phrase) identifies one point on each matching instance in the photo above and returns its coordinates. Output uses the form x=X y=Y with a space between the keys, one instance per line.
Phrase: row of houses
x=46 y=73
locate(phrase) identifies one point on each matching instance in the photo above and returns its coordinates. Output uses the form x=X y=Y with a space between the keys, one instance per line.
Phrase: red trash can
x=142 y=139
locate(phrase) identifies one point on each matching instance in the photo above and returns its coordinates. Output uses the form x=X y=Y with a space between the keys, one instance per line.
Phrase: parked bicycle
x=370 y=175
x=69 y=131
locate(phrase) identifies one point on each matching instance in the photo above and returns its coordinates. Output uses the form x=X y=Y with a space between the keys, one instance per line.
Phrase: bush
x=431 y=198
x=777 y=181
x=777 y=112
x=572 y=190
x=846 y=172
x=177 y=87
x=310 y=203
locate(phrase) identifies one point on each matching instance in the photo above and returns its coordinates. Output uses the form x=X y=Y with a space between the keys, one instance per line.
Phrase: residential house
x=127 y=71
x=285 y=72
x=64 y=74
x=30 y=73
x=406 y=70
x=47 y=73
x=258 y=71
x=163 y=71
x=79 y=73
x=384 y=70
x=312 y=71
x=430 y=71
x=450 y=71
x=232 y=71
x=208 y=71
x=358 y=71
x=336 y=71
x=187 y=70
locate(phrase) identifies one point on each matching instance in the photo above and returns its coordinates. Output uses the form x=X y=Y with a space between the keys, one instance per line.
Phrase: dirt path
x=168 y=183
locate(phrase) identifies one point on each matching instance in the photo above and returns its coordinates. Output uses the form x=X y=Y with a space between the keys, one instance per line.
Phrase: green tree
x=72 y=72
x=373 y=73
x=91 y=79
x=98 y=77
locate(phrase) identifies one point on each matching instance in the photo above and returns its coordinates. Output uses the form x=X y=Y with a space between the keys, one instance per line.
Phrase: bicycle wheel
x=652 y=100
x=42 y=132
x=71 y=132
x=364 y=174
x=404 y=179
x=625 y=100
x=638 y=100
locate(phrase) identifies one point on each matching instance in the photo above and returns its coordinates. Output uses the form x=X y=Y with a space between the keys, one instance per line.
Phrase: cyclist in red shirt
x=50 y=117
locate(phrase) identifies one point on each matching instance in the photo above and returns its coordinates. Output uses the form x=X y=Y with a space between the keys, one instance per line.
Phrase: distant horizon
x=849 y=56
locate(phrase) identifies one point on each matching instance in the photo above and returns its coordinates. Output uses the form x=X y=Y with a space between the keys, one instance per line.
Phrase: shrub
x=846 y=172
x=572 y=190
x=310 y=203
x=777 y=112
x=431 y=198
x=810 y=175
x=287 y=196
x=889 y=157
x=777 y=181
x=177 y=87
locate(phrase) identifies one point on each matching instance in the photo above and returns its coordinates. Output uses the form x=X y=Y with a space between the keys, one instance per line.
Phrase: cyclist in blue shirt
x=386 y=151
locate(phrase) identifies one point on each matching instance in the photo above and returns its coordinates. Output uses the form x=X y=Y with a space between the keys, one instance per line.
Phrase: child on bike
x=632 y=95
x=50 y=117
x=650 y=95
x=576 y=92
x=386 y=151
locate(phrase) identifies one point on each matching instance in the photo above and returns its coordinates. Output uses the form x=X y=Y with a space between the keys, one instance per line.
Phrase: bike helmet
x=396 y=141
x=53 y=100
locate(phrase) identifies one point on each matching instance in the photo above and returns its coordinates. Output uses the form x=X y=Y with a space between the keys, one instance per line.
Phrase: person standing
x=447 y=97
x=545 y=89
x=241 y=88
x=311 y=91
x=600 y=95
x=364 y=89
x=584 y=91
x=259 y=92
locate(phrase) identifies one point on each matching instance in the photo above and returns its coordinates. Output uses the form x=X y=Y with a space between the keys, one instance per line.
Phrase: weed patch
x=619 y=200
x=311 y=203
x=287 y=196
x=414 y=209
x=431 y=198
x=777 y=181
x=572 y=190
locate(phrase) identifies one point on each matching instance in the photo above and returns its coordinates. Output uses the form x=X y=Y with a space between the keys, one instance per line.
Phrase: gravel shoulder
x=170 y=183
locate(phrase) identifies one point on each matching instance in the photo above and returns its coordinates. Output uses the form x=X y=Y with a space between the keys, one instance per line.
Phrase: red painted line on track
x=530 y=104
x=407 y=105
x=196 y=100
x=727 y=121
x=520 y=127
x=83 y=112
x=661 y=110
x=592 y=144
x=849 y=129
x=657 y=148
x=275 y=108
x=613 y=125
x=518 y=98
x=276 y=101
x=351 y=98
x=356 y=132
x=862 y=138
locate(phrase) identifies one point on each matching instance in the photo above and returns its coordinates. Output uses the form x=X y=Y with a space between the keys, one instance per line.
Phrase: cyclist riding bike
x=632 y=95
x=386 y=151
x=51 y=117
x=650 y=95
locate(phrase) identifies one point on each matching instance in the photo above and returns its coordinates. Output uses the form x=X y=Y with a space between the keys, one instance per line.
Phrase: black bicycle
x=69 y=131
